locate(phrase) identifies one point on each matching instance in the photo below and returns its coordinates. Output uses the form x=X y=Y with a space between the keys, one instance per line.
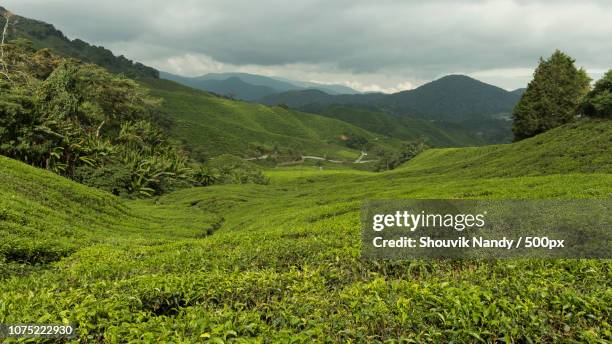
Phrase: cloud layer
x=375 y=46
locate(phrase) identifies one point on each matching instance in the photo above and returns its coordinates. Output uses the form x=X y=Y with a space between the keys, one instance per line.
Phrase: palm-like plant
x=61 y=114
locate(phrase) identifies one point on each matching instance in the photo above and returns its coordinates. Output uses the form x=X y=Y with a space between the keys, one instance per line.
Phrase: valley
x=146 y=207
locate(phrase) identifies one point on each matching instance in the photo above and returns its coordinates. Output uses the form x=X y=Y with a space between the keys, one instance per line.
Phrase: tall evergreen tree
x=551 y=98
x=598 y=102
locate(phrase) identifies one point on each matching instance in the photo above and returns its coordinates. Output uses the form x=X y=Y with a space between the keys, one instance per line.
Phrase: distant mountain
x=302 y=98
x=453 y=98
x=214 y=82
x=253 y=79
x=279 y=83
x=44 y=35
x=519 y=91
x=233 y=86
x=327 y=88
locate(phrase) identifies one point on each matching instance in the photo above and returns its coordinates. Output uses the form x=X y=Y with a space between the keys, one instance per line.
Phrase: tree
x=598 y=102
x=552 y=98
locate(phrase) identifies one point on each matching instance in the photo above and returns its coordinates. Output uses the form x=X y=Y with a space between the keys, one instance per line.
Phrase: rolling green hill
x=233 y=86
x=281 y=262
x=44 y=217
x=581 y=147
x=403 y=128
x=216 y=125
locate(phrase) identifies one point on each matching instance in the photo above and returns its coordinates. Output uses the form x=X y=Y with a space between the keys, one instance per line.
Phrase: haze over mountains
x=251 y=87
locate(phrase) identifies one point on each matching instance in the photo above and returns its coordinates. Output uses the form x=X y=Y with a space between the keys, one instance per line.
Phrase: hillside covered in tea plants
x=213 y=125
x=281 y=262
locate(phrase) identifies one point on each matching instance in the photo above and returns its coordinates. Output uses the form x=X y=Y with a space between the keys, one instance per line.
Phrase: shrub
x=230 y=169
x=112 y=177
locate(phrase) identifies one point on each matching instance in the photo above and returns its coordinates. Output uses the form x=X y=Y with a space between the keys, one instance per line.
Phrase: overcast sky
x=381 y=45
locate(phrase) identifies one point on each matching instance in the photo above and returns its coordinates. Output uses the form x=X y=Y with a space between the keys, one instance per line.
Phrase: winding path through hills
x=359 y=160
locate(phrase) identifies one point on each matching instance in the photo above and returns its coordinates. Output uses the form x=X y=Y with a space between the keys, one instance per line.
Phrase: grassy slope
x=578 y=147
x=220 y=125
x=45 y=217
x=285 y=262
x=403 y=128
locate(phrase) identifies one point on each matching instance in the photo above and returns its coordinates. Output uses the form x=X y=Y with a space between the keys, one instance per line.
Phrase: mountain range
x=456 y=103
x=452 y=98
x=251 y=87
x=453 y=103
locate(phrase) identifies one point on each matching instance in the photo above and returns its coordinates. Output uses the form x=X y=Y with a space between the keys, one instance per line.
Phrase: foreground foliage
x=80 y=121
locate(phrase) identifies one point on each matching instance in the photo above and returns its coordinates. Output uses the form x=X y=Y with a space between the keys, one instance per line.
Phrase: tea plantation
x=281 y=262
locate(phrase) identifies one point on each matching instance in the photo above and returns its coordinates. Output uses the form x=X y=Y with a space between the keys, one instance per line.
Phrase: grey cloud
x=409 y=40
